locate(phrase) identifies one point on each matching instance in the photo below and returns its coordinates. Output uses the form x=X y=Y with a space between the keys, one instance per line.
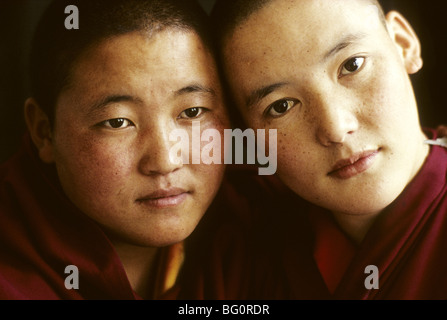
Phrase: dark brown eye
x=280 y=107
x=117 y=123
x=352 y=65
x=191 y=112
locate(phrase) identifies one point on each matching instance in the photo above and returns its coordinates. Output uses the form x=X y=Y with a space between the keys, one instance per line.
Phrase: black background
x=19 y=17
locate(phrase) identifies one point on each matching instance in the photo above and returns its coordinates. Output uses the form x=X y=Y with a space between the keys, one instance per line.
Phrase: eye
x=280 y=107
x=118 y=123
x=352 y=65
x=191 y=113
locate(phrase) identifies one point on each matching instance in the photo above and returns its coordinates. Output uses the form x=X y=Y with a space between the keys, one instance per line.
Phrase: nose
x=157 y=157
x=335 y=123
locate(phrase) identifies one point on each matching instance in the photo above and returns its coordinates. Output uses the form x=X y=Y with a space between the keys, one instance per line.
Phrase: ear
x=40 y=130
x=406 y=41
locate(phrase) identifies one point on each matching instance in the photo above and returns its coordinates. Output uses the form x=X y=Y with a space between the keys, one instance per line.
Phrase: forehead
x=169 y=56
x=319 y=10
x=309 y=22
x=287 y=35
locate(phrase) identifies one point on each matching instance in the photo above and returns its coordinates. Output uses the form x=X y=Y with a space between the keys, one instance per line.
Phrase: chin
x=152 y=235
x=166 y=237
x=164 y=242
x=155 y=242
x=369 y=205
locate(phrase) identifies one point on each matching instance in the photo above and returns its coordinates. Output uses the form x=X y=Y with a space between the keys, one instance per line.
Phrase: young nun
x=93 y=205
x=333 y=78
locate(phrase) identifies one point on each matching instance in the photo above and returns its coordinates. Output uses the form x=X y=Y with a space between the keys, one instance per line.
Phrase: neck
x=138 y=263
x=355 y=226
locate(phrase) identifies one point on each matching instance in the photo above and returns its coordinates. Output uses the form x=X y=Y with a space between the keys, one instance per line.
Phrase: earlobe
x=406 y=41
x=39 y=128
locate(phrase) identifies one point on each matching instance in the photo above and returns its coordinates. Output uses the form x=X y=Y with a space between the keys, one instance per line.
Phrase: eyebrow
x=112 y=99
x=259 y=94
x=345 y=42
x=194 y=88
x=127 y=98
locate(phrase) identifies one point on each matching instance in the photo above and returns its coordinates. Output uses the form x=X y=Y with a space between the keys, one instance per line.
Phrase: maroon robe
x=229 y=263
x=407 y=243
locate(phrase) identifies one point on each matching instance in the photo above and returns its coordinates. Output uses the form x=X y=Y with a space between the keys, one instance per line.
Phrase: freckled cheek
x=97 y=167
x=206 y=179
x=385 y=98
x=294 y=158
x=289 y=164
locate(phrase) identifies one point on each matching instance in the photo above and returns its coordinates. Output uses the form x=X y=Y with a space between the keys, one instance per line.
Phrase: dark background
x=19 y=17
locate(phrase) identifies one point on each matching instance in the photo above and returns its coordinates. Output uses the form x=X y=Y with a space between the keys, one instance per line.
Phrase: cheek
x=212 y=152
x=206 y=165
x=212 y=139
x=388 y=97
x=206 y=179
x=296 y=161
x=92 y=168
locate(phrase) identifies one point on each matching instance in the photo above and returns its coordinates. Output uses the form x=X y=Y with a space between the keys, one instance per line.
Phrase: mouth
x=164 y=198
x=358 y=163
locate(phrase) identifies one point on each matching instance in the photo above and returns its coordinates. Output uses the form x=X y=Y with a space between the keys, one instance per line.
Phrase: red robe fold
x=407 y=243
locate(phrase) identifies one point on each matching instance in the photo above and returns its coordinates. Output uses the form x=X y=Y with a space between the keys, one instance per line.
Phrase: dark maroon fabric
x=333 y=249
x=231 y=255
